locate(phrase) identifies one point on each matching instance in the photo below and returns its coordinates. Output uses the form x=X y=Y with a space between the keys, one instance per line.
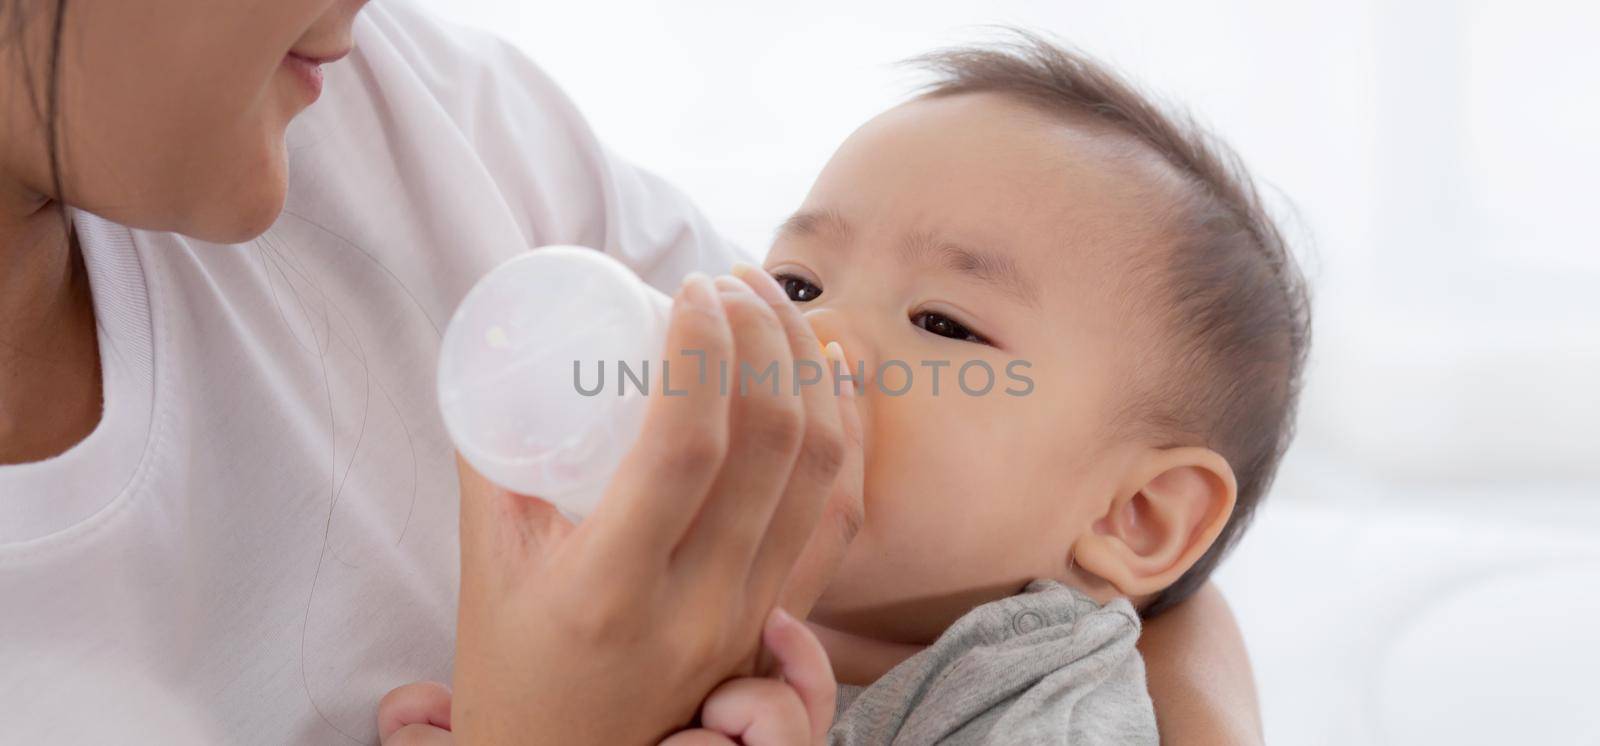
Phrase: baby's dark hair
x=1236 y=321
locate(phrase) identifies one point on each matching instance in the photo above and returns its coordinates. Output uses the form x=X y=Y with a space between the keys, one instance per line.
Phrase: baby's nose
x=832 y=326
x=829 y=326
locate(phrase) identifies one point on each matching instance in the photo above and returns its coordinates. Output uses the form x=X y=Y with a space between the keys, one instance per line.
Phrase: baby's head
x=1141 y=322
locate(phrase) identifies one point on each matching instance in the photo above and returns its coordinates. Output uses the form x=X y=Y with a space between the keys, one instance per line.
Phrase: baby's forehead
x=1071 y=202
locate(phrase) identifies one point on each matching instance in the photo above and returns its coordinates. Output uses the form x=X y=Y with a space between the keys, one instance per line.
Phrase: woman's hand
x=795 y=710
x=1199 y=674
x=614 y=631
x=843 y=512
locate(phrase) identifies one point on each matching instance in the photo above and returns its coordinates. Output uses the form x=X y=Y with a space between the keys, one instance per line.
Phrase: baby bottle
x=529 y=382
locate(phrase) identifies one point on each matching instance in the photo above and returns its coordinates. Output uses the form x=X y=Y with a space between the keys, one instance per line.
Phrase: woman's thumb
x=499 y=526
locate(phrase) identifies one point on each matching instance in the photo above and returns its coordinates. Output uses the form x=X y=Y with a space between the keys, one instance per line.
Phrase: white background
x=1427 y=569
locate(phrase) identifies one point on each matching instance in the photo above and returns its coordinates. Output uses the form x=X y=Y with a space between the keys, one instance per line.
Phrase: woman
x=228 y=512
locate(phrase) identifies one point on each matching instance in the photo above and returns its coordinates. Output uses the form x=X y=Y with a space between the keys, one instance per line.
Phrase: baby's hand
x=794 y=710
x=416 y=714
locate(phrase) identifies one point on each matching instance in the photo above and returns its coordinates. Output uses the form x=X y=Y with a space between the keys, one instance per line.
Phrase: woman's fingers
x=420 y=704
x=662 y=482
x=844 y=511
x=822 y=447
x=845 y=503
x=766 y=430
x=804 y=665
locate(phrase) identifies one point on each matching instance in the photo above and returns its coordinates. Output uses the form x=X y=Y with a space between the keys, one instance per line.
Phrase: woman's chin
x=245 y=224
x=241 y=213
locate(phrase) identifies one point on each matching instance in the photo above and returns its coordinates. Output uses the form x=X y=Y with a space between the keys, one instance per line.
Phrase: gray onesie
x=1046 y=666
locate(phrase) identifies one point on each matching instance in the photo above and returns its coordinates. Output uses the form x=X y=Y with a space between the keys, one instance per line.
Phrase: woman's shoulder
x=437 y=137
x=456 y=63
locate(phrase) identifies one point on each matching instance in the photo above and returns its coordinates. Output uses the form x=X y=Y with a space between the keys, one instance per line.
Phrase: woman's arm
x=1199 y=674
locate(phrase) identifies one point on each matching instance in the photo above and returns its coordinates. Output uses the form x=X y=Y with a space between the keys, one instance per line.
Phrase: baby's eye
x=945 y=326
x=799 y=290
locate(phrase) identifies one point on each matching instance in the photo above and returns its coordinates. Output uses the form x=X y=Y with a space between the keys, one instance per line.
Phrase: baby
x=1082 y=340
x=1032 y=207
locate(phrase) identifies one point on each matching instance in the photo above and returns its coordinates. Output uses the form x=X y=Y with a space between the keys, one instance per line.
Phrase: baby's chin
x=890 y=615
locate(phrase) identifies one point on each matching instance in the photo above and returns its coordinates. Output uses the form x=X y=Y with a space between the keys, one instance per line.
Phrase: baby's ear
x=1170 y=510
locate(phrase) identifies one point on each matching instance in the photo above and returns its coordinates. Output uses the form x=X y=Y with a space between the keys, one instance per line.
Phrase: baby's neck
x=860 y=660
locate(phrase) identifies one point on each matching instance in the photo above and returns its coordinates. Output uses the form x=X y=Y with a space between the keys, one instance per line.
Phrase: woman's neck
x=49 y=353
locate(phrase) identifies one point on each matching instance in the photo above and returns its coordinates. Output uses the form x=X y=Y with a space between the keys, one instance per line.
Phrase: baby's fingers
x=420 y=735
x=803 y=664
x=793 y=711
x=698 y=737
x=758 y=712
x=414 y=714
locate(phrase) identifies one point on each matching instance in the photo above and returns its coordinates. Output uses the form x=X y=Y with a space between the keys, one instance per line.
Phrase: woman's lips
x=308 y=69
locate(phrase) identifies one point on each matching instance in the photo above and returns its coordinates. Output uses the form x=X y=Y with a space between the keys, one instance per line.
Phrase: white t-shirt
x=259 y=538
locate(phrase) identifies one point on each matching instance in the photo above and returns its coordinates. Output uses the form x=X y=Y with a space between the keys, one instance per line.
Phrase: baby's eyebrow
x=808 y=223
x=991 y=268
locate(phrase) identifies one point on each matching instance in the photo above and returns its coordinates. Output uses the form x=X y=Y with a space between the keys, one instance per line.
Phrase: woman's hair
x=1234 y=307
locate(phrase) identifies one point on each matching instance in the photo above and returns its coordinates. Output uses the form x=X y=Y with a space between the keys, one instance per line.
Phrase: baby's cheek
x=938 y=518
x=942 y=483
